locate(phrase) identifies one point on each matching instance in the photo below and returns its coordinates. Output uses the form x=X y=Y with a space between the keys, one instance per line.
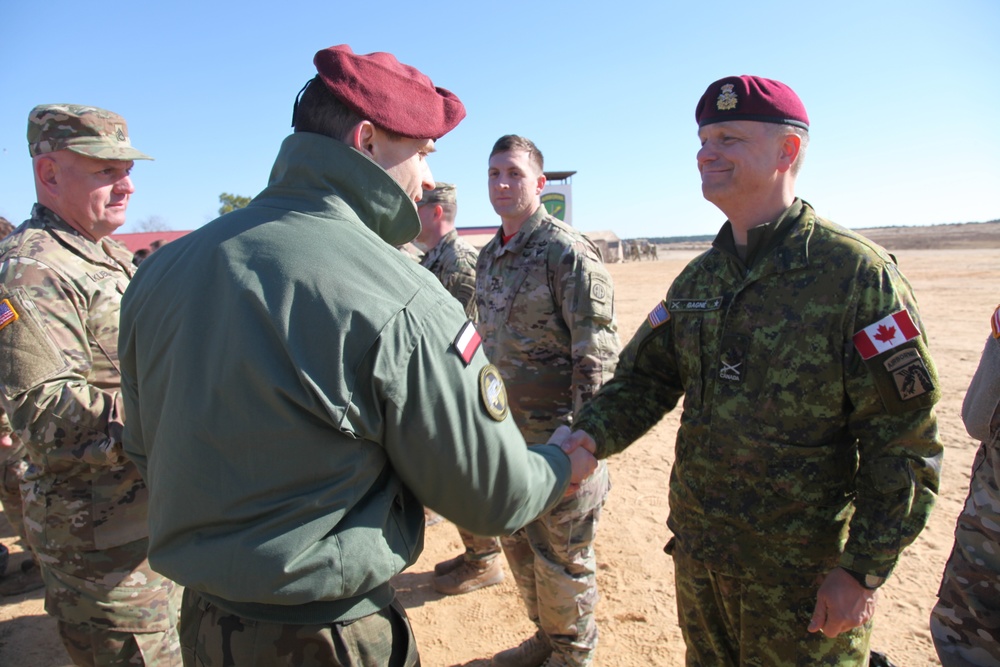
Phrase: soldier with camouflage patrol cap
x=453 y=260
x=546 y=312
x=808 y=454
x=61 y=284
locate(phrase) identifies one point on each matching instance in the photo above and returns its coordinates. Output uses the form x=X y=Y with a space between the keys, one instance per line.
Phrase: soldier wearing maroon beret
x=297 y=390
x=808 y=455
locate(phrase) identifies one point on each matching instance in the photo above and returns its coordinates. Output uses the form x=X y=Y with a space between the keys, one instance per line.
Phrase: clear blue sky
x=903 y=96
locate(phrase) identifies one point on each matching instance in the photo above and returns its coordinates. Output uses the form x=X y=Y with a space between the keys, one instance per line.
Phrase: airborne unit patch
x=910 y=374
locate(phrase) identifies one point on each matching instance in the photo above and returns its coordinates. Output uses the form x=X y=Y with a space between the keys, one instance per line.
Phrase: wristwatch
x=869 y=581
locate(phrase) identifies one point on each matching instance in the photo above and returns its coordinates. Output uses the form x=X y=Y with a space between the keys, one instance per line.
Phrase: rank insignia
x=995 y=322
x=467 y=342
x=7 y=313
x=493 y=392
x=659 y=315
x=727 y=98
x=887 y=333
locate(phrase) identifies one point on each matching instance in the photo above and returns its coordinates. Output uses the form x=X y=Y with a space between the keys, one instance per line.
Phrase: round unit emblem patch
x=493 y=392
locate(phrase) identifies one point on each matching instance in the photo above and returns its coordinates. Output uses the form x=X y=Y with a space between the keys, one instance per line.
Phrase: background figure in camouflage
x=452 y=260
x=546 y=313
x=61 y=283
x=965 y=623
x=808 y=455
x=13 y=467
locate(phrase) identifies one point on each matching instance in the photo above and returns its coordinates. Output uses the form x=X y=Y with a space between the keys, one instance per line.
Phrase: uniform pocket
x=810 y=475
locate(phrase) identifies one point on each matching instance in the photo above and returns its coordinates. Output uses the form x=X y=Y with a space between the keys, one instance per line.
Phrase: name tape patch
x=694 y=305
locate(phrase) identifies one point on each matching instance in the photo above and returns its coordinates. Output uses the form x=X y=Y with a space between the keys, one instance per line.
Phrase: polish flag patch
x=887 y=333
x=467 y=342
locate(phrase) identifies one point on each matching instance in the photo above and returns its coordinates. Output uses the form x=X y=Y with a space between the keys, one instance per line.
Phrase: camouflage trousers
x=965 y=623
x=211 y=637
x=11 y=474
x=555 y=567
x=479 y=548
x=729 y=622
x=112 y=608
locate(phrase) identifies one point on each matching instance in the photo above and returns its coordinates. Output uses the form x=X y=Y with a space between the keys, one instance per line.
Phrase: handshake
x=580 y=448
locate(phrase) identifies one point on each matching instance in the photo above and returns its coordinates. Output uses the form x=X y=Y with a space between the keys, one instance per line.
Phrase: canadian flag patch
x=467 y=342
x=887 y=333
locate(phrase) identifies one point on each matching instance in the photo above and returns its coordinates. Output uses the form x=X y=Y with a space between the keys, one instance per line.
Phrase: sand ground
x=957 y=290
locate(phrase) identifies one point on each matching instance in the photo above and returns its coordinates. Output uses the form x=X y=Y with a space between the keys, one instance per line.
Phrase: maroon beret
x=751 y=98
x=394 y=96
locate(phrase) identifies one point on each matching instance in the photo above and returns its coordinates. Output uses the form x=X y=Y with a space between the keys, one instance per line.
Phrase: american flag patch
x=658 y=315
x=467 y=342
x=995 y=322
x=7 y=313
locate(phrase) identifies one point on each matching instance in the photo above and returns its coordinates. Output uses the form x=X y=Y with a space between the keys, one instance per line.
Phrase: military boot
x=532 y=652
x=27 y=578
x=470 y=576
x=444 y=567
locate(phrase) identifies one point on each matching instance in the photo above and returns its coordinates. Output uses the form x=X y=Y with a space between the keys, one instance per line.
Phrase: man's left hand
x=842 y=604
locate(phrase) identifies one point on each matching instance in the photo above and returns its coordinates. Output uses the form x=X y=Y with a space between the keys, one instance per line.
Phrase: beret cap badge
x=727 y=98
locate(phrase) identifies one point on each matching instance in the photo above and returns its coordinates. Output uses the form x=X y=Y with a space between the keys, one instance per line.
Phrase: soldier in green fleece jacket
x=296 y=389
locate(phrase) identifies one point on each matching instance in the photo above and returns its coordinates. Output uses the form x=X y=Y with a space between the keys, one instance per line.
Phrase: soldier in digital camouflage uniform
x=546 y=313
x=452 y=260
x=85 y=505
x=808 y=454
x=965 y=623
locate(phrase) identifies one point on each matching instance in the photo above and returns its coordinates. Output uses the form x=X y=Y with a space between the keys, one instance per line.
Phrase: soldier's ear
x=46 y=174
x=790 y=146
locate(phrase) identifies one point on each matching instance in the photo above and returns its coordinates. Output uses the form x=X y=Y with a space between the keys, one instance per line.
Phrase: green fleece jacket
x=294 y=393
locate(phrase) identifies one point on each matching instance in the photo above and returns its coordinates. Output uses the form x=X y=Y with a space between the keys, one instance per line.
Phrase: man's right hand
x=581 y=458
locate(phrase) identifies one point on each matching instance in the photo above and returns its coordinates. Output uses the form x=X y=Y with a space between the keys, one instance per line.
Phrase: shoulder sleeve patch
x=493 y=392
x=995 y=322
x=467 y=342
x=909 y=373
x=28 y=356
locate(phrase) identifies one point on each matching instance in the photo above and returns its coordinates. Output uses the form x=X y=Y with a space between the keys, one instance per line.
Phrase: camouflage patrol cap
x=444 y=193
x=89 y=131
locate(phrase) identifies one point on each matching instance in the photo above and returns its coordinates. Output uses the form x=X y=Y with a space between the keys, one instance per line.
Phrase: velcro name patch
x=694 y=305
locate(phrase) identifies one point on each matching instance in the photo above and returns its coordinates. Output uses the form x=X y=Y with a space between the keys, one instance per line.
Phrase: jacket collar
x=105 y=251
x=331 y=170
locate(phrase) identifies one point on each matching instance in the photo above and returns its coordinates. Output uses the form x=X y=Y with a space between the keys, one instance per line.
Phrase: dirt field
x=957 y=288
